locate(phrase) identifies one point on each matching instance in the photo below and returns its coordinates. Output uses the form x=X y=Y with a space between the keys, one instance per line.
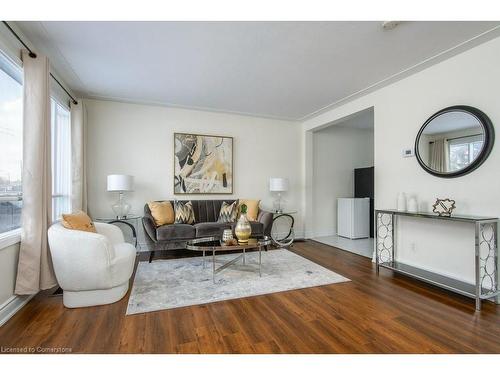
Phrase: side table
x=131 y=221
x=282 y=232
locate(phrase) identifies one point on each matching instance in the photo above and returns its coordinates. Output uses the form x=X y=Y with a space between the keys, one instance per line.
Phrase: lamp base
x=121 y=208
x=277 y=204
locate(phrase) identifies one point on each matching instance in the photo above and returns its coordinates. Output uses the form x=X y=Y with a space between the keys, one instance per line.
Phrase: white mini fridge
x=353 y=217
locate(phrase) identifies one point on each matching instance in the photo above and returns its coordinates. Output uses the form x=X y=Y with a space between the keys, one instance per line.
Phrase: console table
x=486 y=254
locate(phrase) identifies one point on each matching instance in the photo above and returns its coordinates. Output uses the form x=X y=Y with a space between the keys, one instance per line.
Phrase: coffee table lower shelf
x=213 y=245
x=444 y=282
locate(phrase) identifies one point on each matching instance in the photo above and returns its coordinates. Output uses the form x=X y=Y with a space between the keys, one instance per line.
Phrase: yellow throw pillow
x=162 y=212
x=78 y=221
x=252 y=208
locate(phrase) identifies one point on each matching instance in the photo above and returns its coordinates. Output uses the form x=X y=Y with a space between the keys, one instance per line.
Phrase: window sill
x=10 y=238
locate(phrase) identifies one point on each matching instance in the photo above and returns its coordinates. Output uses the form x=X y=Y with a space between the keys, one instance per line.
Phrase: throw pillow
x=162 y=212
x=184 y=213
x=228 y=212
x=78 y=221
x=252 y=208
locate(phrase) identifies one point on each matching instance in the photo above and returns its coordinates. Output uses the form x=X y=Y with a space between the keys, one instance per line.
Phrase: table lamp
x=278 y=185
x=120 y=183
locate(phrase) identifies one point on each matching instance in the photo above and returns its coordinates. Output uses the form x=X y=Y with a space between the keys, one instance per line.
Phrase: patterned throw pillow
x=184 y=213
x=228 y=212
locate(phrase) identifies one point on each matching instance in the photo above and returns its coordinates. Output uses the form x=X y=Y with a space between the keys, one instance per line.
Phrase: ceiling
x=363 y=120
x=452 y=121
x=287 y=70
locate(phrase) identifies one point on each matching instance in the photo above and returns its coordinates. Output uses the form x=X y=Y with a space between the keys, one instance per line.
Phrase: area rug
x=167 y=284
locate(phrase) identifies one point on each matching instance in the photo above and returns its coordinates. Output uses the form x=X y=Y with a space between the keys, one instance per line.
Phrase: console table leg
x=497 y=279
x=377 y=268
x=477 y=266
x=394 y=229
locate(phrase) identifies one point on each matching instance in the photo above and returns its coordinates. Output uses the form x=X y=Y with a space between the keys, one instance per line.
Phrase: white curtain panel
x=439 y=155
x=78 y=156
x=35 y=270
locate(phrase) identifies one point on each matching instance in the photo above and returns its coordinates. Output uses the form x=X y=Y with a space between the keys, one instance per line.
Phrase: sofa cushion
x=175 y=232
x=257 y=228
x=211 y=229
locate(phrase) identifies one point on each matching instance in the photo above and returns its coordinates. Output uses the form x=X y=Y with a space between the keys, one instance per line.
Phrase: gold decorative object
x=443 y=207
x=243 y=230
x=231 y=242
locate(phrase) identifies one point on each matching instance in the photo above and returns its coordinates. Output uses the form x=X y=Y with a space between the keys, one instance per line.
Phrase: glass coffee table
x=214 y=245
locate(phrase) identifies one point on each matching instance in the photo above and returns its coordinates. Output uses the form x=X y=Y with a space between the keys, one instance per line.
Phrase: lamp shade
x=120 y=182
x=278 y=184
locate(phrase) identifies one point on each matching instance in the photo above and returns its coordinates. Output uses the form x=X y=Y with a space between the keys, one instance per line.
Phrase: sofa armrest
x=266 y=218
x=149 y=227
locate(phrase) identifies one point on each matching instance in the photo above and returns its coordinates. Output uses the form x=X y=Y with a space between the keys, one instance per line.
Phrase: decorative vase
x=412 y=205
x=243 y=228
x=401 y=202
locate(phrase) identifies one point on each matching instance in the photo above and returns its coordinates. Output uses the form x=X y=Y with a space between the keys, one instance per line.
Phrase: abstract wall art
x=203 y=164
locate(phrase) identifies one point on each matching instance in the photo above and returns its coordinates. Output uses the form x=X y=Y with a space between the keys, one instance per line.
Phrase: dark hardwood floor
x=370 y=314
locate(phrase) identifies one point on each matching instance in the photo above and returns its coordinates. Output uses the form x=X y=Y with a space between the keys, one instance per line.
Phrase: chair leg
x=151 y=255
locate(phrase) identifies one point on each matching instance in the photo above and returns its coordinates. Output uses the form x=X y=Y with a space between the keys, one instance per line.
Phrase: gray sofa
x=206 y=213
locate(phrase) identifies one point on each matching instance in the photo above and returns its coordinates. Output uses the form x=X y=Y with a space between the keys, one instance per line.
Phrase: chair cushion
x=257 y=228
x=211 y=229
x=175 y=232
x=78 y=221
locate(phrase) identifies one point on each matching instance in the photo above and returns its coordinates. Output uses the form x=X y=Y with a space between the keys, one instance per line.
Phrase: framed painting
x=203 y=164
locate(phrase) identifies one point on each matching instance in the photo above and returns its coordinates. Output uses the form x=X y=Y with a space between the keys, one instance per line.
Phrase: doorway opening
x=343 y=189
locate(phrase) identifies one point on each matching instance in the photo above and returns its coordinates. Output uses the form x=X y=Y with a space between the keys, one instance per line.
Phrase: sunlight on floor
x=362 y=246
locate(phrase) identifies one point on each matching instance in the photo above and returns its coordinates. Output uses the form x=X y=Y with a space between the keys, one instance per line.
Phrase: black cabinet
x=364 y=187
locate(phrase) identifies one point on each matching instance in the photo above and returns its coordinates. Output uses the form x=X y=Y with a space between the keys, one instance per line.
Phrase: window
x=464 y=151
x=61 y=160
x=11 y=145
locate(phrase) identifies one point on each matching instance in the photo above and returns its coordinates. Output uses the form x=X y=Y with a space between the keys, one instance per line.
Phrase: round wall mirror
x=454 y=141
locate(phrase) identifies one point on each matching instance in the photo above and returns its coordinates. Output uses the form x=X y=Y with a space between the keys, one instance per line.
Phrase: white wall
x=138 y=139
x=337 y=151
x=471 y=78
x=8 y=270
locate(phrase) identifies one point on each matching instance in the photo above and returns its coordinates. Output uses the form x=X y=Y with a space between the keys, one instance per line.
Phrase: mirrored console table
x=485 y=250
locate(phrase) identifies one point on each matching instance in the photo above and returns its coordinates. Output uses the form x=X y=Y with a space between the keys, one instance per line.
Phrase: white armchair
x=91 y=268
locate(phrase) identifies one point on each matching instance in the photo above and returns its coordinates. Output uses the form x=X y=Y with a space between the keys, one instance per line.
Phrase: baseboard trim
x=12 y=306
